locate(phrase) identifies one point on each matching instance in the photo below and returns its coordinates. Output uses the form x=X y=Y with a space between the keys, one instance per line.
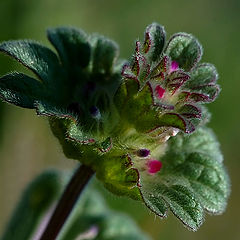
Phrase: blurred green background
x=26 y=144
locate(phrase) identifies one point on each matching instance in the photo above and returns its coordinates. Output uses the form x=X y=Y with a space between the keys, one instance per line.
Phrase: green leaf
x=34 y=203
x=155 y=39
x=176 y=79
x=203 y=74
x=191 y=181
x=105 y=53
x=92 y=218
x=185 y=50
x=202 y=141
x=135 y=106
x=177 y=197
x=138 y=108
x=75 y=133
x=161 y=68
x=21 y=90
x=115 y=170
x=106 y=145
x=124 y=97
x=50 y=110
x=204 y=94
x=41 y=60
x=203 y=83
x=65 y=126
x=71 y=44
x=190 y=111
x=211 y=91
x=66 y=123
x=177 y=121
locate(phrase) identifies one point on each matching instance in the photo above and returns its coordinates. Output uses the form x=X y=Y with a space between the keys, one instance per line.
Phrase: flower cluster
x=176 y=79
x=117 y=116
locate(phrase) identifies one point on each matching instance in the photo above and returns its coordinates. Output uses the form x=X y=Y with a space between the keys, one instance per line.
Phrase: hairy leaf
x=185 y=50
x=192 y=179
x=105 y=53
x=154 y=40
x=21 y=90
x=117 y=174
x=71 y=44
x=41 y=60
x=201 y=75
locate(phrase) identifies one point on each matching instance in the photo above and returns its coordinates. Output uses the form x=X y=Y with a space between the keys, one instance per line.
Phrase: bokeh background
x=26 y=144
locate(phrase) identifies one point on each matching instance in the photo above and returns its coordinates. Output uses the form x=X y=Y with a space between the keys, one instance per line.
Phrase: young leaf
x=71 y=44
x=185 y=50
x=105 y=53
x=201 y=75
x=154 y=40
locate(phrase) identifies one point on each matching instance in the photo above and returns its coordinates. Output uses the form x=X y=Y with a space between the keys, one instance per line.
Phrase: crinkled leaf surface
x=192 y=180
x=41 y=60
x=45 y=64
x=203 y=74
x=185 y=50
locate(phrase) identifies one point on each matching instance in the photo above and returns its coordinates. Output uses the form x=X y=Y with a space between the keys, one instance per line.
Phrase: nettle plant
x=138 y=124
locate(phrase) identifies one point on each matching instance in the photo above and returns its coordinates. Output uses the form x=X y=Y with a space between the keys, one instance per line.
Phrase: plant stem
x=67 y=202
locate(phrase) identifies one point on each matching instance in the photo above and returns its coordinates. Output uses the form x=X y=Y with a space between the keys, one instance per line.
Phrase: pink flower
x=160 y=91
x=174 y=66
x=154 y=166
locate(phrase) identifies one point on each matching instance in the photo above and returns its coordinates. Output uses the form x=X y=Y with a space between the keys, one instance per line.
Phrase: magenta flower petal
x=154 y=166
x=160 y=91
x=174 y=66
